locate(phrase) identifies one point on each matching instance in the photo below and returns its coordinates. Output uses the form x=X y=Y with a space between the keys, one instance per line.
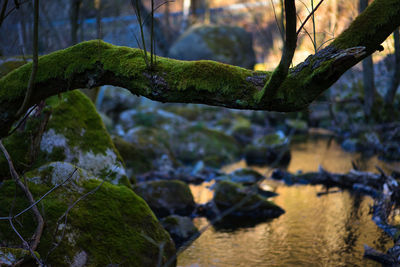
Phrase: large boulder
x=112 y=225
x=68 y=129
x=228 y=194
x=227 y=44
x=167 y=197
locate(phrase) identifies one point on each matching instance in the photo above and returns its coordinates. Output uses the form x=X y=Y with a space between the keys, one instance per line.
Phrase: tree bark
x=96 y=63
x=395 y=81
x=75 y=6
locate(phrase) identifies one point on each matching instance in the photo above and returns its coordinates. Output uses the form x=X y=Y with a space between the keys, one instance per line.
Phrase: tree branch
x=280 y=73
x=96 y=63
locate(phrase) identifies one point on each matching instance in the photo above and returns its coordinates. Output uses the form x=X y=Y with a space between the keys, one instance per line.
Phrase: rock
x=180 y=228
x=167 y=197
x=114 y=100
x=353 y=145
x=242 y=131
x=228 y=194
x=213 y=147
x=154 y=145
x=390 y=152
x=242 y=176
x=297 y=126
x=227 y=44
x=137 y=160
x=270 y=149
x=111 y=224
x=69 y=129
x=55 y=173
x=150 y=117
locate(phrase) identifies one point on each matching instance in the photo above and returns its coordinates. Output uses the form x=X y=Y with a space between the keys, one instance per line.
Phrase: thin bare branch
x=39 y=219
x=308 y=17
x=40 y=199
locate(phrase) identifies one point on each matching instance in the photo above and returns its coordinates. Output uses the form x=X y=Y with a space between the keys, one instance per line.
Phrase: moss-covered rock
x=150 y=117
x=154 y=145
x=73 y=133
x=196 y=143
x=227 y=44
x=297 y=126
x=180 y=228
x=114 y=100
x=110 y=226
x=167 y=197
x=269 y=149
x=137 y=159
x=55 y=173
x=242 y=130
x=228 y=194
x=242 y=176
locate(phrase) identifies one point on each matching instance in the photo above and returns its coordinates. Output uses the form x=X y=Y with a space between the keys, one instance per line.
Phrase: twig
x=23 y=119
x=40 y=199
x=65 y=217
x=308 y=17
x=39 y=219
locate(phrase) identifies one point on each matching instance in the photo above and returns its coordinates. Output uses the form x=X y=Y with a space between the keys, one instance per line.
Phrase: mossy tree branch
x=280 y=73
x=95 y=63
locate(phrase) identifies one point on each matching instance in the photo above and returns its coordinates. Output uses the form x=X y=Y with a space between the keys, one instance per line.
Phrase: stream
x=326 y=230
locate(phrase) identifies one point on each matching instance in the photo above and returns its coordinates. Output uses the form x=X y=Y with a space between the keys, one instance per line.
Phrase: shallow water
x=329 y=230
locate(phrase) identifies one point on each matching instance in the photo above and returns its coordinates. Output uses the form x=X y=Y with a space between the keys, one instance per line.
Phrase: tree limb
x=280 y=73
x=96 y=63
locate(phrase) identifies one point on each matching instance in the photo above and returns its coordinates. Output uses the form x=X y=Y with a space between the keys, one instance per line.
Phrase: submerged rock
x=269 y=149
x=180 y=228
x=111 y=225
x=69 y=129
x=167 y=197
x=227 y=44
x=228 y=194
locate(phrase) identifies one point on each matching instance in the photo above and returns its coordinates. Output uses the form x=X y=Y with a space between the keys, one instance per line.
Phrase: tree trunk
x=75 y=6
x=98 y=7
x=395 y=81
x=368 y=76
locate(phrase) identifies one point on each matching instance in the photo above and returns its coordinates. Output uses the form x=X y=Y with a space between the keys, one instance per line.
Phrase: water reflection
x=315 y=231
x=329 y=230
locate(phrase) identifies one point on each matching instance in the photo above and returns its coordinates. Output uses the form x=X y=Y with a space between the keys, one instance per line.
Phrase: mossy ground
x=110 y=225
